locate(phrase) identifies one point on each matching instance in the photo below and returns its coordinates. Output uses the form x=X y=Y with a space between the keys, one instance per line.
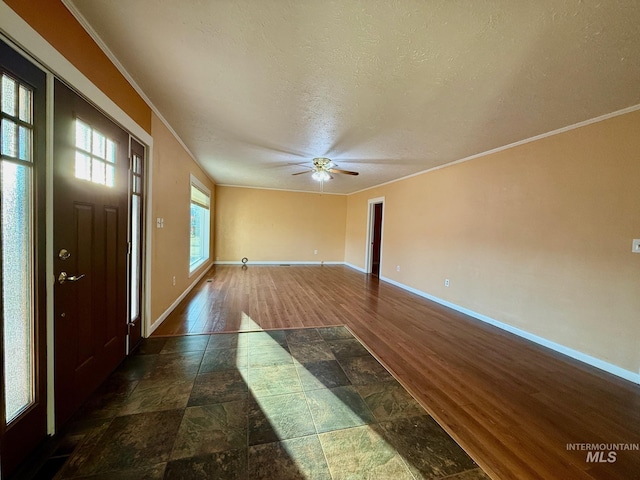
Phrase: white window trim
x=193 y=268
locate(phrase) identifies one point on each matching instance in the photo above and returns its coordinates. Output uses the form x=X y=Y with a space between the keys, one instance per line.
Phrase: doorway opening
x=374 y=236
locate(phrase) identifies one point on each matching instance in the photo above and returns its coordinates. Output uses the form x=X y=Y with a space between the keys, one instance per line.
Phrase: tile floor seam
x=356 y=408
x=175 y=438
x=324 y=454
x=306 y=399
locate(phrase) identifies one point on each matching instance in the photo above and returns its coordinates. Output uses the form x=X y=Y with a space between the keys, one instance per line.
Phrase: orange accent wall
x=52 y=20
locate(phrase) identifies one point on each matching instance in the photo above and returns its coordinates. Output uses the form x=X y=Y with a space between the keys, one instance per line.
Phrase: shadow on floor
x=286 y=404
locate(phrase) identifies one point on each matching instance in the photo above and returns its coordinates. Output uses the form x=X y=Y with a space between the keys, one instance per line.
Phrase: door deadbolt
x=64 y=254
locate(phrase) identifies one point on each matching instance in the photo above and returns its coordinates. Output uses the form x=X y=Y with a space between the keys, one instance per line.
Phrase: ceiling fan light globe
x=320 y=176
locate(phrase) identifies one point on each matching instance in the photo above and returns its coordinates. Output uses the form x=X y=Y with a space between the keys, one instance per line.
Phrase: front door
x=90 y=188
x=22 y=257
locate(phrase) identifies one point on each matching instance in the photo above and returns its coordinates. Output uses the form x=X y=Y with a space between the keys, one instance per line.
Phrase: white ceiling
x=385 y=87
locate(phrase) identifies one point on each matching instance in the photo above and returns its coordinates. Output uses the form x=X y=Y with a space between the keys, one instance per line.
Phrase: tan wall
x=52 y=20
x=272 y=225
x=172 y=170
x=537 y=236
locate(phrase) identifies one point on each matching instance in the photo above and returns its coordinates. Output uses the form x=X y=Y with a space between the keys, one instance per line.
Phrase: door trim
x=21 y=34
x=143 y=244
x=51 y=398
x=368 y=264
x=24 y=39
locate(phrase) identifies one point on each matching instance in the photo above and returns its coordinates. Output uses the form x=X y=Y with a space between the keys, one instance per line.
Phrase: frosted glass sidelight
x=17 y=283
x=24 y=143
x=24 y=103
x=9 y=137
x=135 y=253
x=8 y=96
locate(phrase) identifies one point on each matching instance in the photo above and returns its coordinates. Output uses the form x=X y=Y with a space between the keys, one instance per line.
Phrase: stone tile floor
x=286 y=404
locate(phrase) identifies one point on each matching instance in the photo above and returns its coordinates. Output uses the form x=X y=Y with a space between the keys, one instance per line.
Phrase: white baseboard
x=166 y=313
x=575 y=354
x=355 y=267
x=283 y=262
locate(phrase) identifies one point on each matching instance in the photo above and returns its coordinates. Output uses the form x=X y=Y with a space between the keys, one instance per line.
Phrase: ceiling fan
x=323 y=168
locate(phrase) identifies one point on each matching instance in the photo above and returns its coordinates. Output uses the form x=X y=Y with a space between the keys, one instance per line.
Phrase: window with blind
x=200 y=224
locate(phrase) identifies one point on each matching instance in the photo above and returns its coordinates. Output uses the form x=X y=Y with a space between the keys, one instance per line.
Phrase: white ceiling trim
x=552 y=133
x=283 y=190
x=392 y=89
x=103 y=46
x=30 y=43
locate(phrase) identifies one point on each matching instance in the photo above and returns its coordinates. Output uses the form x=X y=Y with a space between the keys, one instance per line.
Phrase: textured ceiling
x=387 y=88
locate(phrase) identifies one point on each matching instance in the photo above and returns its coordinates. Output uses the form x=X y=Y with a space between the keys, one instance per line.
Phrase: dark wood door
x=90 y=248
x=376 y=243
x=23 y=362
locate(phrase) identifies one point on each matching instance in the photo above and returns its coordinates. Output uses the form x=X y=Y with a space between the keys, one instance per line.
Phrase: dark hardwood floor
x=511 y=404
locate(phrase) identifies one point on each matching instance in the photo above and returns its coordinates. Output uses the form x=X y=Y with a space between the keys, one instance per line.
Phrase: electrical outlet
x=636 y=245
x=397 y=268
x=174 y=280
x=446 y=282
x=315 y=252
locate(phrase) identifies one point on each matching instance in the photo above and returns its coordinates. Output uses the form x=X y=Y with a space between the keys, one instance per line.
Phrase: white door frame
x=368 y=263
x=17 y=33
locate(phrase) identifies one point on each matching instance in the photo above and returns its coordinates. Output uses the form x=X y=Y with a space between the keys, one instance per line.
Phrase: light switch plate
x=636 y=245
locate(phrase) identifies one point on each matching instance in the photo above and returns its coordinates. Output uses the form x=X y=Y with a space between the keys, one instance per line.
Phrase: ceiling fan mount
x=323 y=168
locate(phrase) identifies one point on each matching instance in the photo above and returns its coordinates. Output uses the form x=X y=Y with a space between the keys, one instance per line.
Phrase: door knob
x=63 y=277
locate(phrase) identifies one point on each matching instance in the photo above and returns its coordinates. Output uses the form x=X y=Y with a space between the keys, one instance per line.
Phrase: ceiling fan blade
x=337 y=170
x=302 y=173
